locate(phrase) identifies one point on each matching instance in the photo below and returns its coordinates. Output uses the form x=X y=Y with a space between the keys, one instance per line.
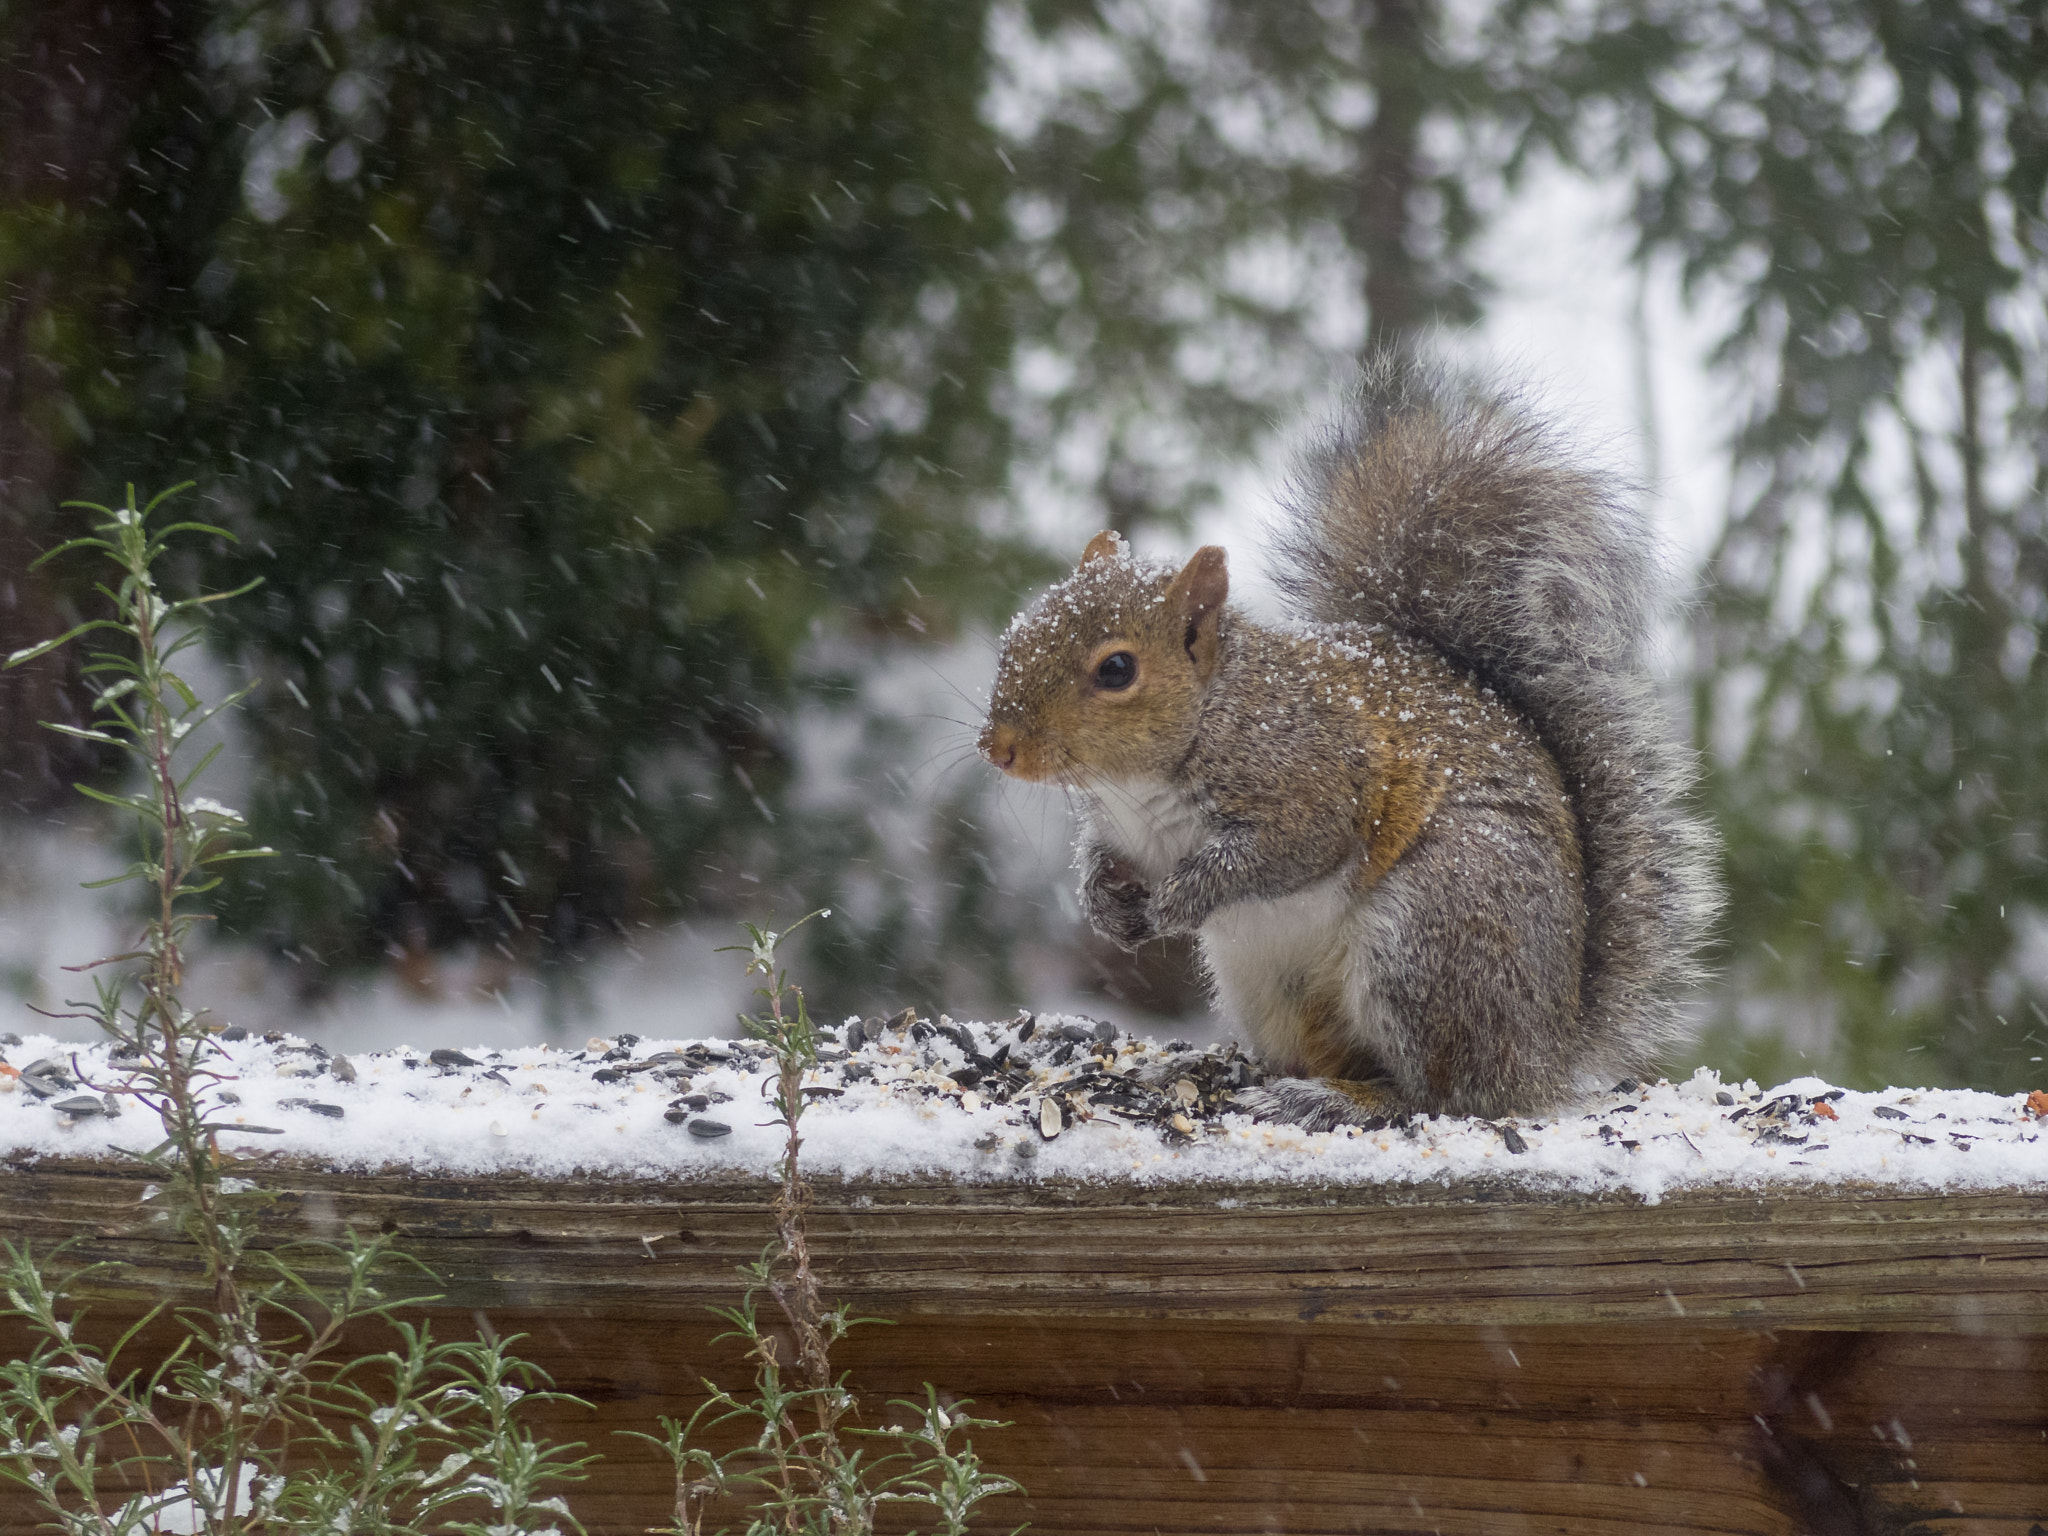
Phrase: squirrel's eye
x=1118 y=670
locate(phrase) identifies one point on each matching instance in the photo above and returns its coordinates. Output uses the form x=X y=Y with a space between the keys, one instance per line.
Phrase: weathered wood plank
x=1125 y=1426
x=1297 y=1360
x=1829 y=1259
x=1134 y=1425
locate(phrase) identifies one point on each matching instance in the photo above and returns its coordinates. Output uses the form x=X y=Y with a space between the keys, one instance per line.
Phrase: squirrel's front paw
x=1120 y=914
x=1119 y=910
x=1178 y=907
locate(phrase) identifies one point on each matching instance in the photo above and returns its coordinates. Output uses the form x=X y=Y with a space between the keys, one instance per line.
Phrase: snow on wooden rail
x=1031 y=1101
x=1682 y=1307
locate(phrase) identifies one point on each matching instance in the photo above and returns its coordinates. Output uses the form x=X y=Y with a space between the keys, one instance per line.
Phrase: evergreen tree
x=578 y=375
x=581 y=374
x=1220 y=206
x=1867 y=180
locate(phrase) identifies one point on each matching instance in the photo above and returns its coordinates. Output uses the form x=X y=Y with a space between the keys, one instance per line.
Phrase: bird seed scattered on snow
x=1028 y=1099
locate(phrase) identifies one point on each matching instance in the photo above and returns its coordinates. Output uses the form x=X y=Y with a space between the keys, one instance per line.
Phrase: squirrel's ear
x=1198 y=592
x=1107 y=545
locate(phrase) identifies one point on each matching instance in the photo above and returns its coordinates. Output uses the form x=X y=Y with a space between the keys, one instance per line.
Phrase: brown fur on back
x=1443 y=509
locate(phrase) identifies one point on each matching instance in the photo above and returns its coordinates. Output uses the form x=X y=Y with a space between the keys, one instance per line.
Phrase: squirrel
x=1433 y=834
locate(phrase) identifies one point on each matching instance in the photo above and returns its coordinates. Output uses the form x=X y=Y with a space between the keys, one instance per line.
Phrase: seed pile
x=1049 y=1074
x=49 y=1081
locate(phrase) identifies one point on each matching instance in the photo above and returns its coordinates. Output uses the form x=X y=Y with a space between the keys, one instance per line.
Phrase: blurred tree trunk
x=1397 y=69
x=71 y=75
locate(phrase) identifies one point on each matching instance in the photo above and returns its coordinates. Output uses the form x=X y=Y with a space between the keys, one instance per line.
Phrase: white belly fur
x=1149 y=822
x=1264 y=956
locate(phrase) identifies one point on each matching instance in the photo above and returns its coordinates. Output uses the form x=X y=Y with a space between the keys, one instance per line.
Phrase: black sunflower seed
x=331 y=1111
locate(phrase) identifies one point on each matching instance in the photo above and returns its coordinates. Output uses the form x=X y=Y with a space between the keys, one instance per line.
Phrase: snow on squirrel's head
x=1102 y=676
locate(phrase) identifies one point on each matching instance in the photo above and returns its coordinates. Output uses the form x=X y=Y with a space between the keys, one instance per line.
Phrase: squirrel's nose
x=999 y=745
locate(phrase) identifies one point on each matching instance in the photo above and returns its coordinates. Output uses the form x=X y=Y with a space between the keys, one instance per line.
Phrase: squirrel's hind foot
x=1320 y=1103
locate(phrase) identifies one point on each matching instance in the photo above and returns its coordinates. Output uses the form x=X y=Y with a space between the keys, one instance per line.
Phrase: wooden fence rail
x=1272 y=1359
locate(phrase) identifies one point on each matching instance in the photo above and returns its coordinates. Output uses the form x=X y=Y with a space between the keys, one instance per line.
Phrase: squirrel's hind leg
x=1310 y=1029
x=1321 y=1103
x=1455 y=990
x=1463 y=970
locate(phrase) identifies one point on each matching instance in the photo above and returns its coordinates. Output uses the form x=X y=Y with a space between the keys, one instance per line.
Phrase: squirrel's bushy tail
x=1438 y=506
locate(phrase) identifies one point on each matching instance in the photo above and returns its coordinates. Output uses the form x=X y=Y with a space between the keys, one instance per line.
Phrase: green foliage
x=800 y=1467
x=597 y=384
x=144 y=709
x=1217 y=206
x=577 y=375
x=255 y=1419
x=1865 y=183
x=793 y=1480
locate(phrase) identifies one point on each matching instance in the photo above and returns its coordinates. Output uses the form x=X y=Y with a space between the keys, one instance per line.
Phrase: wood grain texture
x=1123 y=1427
x=1829 y=1258
x=1301 y=1360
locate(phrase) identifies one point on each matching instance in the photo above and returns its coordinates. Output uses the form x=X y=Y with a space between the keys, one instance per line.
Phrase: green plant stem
x=233 y=1432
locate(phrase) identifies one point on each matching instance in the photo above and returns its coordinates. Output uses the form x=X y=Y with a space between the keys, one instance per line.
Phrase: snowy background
x=1569 y=319
x=605 y=589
